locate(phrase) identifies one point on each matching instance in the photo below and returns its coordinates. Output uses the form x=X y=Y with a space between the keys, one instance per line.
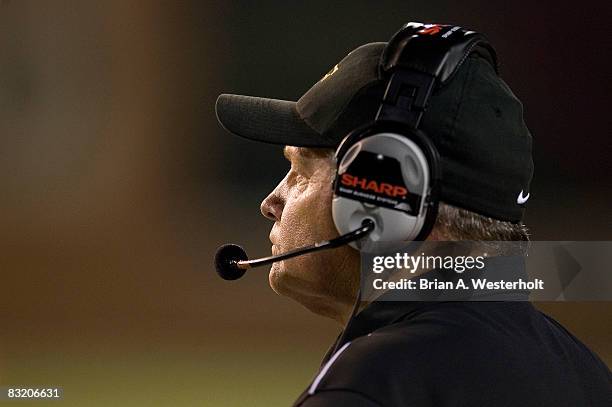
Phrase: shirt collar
x=383 y=312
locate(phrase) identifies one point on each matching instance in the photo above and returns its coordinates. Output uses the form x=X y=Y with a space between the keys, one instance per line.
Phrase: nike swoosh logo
x=522 y=199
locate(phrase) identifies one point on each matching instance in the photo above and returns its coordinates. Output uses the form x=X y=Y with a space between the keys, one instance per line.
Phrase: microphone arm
x=231 y=261
x=366 y=228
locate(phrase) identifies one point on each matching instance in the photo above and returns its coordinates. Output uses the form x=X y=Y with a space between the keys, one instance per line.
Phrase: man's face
x=300 y=206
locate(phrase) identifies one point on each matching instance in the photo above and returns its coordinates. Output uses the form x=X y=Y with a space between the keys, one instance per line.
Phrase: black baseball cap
x=474 y=120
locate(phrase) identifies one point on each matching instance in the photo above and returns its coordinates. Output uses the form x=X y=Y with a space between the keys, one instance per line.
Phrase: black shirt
x=458 y=354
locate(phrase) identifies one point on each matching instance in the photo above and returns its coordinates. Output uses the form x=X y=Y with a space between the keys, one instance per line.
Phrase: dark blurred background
x=117 y=184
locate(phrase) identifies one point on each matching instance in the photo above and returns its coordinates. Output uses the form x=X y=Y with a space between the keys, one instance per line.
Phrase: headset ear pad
x=386 y=172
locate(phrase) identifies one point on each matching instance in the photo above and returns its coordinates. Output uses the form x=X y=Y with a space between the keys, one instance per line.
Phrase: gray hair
x=461 y=224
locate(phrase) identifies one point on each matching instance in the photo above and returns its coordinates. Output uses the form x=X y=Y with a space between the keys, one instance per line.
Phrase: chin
x=275 y=279
x=287 y=282
x=284 y=283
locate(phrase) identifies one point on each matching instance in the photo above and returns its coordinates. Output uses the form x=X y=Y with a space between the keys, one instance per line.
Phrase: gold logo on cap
x=330 y=73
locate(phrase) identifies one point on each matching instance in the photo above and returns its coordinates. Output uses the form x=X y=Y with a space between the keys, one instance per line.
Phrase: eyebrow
x=295 y=154
x=286 y=153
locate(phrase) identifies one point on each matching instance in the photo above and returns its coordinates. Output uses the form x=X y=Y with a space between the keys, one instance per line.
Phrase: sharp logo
x=521 y=199
x=374 y=186
x=431 y=29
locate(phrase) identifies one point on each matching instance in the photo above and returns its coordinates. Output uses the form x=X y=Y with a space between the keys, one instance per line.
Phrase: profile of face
x=324 y=282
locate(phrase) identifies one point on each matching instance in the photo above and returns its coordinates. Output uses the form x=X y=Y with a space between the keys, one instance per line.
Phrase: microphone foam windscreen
x=225 y=259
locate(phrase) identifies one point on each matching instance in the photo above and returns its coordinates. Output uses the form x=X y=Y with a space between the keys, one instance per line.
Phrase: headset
x=387 y=180
x=388 y=171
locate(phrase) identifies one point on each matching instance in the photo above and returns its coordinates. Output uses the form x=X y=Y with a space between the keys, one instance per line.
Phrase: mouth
x=275 y=250
x=274 y=245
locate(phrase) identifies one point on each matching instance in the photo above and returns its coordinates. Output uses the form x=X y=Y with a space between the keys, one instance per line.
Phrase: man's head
x=300 y=207
x=474 y=121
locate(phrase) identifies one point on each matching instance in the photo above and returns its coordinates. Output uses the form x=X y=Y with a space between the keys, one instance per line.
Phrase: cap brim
x=267 y=120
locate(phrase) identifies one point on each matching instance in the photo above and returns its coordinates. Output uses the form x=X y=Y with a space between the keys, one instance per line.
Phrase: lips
x=276 y=248
x=271 y=237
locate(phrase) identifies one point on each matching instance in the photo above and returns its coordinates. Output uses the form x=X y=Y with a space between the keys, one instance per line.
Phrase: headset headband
x=416 y=58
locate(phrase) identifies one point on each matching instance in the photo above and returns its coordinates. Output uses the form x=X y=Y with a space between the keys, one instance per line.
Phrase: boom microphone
x=231 y=261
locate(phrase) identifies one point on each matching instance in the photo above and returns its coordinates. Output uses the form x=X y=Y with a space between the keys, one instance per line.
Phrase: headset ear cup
x=410 y=217
x=430 y=220
x=433 y=159
x=352 y=138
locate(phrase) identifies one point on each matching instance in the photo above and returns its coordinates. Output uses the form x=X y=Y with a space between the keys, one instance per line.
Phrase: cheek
x=306 y=207
x=307 y=214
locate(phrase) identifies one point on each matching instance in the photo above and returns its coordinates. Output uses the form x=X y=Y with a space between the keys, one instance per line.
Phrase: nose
x=272 y=206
